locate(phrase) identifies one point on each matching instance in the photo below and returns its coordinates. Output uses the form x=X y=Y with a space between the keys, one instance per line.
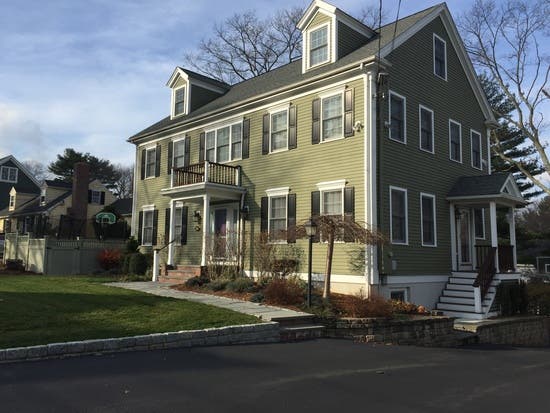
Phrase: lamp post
x=311 y=231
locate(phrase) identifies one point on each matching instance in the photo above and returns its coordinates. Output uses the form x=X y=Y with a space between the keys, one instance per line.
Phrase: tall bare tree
x=244 y=46
x=123 y=186
x=37 y=169
x=505 y=41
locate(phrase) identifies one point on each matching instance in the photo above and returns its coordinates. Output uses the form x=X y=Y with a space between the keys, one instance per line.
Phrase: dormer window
x=179 y=101
x=43 y=196
x=318 y=46
x=12 y=203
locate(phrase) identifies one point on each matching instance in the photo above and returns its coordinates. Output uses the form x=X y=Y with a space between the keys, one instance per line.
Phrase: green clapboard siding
x=348 y=40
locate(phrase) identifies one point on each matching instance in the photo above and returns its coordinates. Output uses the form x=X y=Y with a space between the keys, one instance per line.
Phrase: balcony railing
x=505 y=256
x=207 y=172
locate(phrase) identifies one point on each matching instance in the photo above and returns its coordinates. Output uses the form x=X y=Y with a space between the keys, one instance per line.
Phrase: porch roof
x=500 y=187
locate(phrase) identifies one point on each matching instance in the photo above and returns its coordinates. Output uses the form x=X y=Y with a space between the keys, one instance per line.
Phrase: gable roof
x=289 y=76
x=186 y=73
x=123 y=206
x=497 y=185
x=58 y=183
x=20 y=166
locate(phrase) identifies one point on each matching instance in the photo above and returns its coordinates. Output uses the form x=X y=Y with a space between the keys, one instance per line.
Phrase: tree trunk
x=328 y=269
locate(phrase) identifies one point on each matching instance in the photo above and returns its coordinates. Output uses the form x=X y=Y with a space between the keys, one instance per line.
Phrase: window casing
x=279 y=131
x=479 y=223
x=440 y=57
x=428 y=220
x=147 y=235
x=178 y=160
x=426 y=122
x=398 y=216
x=277 y=218
x=8 y=174
x=224 y=144
x=332 y=111
x=332 y=204
x=455 y=141
x=398 y=121
x=178 y=225
x=12 y=202
x=475 y=138
x=95 y=197
x=179 y=101
x=150 y=162
x=318 y=46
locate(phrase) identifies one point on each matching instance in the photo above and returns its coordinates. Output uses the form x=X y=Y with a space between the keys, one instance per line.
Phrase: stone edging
x=242 y=334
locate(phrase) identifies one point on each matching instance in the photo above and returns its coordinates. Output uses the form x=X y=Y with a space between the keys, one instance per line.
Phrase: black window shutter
x=264 y=214
x=316 y=121
x=102 y=198
x=292 y=142
x=348 y=113
x=201 y=147
x=89 y=196
x=316 y=210
x=167 y=226
x=184 y=212
x=187 y=155
x=291 y=221
x=143 y=155
x=157 y=160
x=246 y=139
x=265 y=135
x=170 y=156
x=349 y=210
x=140 y=227
x=155 y=225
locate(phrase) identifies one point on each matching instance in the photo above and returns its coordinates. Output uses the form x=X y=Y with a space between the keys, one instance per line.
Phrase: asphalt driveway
x=320 y=376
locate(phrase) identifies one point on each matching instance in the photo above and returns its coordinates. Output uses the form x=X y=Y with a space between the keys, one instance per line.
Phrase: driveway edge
x=241 y=334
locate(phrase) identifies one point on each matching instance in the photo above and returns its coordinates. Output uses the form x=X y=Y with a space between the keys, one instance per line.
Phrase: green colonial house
x=391 y=131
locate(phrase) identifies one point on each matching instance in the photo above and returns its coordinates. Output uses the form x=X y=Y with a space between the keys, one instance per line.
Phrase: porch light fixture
x=311 y=231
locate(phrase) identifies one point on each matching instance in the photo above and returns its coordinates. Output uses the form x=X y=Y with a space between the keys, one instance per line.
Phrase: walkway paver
x=265 y=312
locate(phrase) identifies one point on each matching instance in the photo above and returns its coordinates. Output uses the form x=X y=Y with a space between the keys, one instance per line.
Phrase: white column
x=155 y=265
x=512 y=223
x=473 y=238
x=454 y=257
x=206 y=170
x=171 y=235
x=205 y=224
x=477 y=300
x=494 y=233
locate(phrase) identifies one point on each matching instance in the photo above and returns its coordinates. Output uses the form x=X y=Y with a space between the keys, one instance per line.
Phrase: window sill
x=429 y=246
x=454 y=160
x=332 y=139
x=279 y=150
x=400 y=243
x=402 y=142
x=440 y=77
x=478 y=168
x=427 y=151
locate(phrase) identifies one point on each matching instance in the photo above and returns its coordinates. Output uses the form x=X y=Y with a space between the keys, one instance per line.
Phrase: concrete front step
x=459 y=293
x=462 y=300
x=467 y=281
x=294 y=320
x=458 y=307
x=465 y=287
x=464 y=274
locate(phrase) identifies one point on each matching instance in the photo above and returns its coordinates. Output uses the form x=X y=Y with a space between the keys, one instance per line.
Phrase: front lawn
x=40 y=310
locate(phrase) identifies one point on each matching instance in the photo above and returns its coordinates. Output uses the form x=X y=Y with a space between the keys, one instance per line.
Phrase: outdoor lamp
x=311 y=231
x=311 y=228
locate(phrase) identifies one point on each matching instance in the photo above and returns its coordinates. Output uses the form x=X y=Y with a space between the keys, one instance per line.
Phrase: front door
x=223 y=233
x=464 y=243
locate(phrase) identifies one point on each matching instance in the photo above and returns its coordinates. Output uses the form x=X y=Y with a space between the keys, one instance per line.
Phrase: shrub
x=512 y=298
x=132 y=245
x=217 y=284
x=403 y=307
x=283 y=291
x=360 y=306
x=198 y=281
x=109 y=259
x=137 y=263
x=538 y=298
x=125 y=269
x=241 y=285
x=257 y=298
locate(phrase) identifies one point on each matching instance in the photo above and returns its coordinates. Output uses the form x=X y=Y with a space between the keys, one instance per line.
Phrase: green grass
x=40 y=310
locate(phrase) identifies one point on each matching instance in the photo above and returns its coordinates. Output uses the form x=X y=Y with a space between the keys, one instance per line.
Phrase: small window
x=224 y=144
x=150 y=162
x=178 y=222
x=332 y=124
x=179 y=101
x=318 y=46
x=147 y=236
x=8 y=174
x=455 y=141
x=398 y=216
x=179 y=154
x=479 y=223
x=279 y=130
x=397 y=118
x=95 y=197
x=440 y=57
x=428 y=220
x=476 y=149
x=426 y=129
x=277 y=218
x=12 y=202
x=42 y=196
x=398 y=295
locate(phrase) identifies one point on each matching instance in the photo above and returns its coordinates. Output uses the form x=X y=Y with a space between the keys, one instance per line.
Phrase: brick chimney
x=81 y=180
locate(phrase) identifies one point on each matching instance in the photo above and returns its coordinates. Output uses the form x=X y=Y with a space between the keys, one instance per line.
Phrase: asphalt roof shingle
x=479 y=185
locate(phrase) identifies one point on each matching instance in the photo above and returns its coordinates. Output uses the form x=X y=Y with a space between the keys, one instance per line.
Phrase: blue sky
x=89 y=74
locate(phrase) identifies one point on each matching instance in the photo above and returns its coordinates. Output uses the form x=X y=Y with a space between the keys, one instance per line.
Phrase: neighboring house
x=399 y=142
x=13 y=175
x=54 y=210
x=123 y=207
x=543 y=265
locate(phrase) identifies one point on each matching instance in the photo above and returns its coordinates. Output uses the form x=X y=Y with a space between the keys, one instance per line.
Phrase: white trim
x=307 y=35
x=396 y=188
x=185 y=101
x=215 y=128
x=460 y=140
x=323 y=97
x=435 y=36
x=434 y=204
x=134 y=218
x=454 y=251
x=416 y=279
x=472 y=132
x=145 y=209
x=331 y=185
x=177 y=139
x=9 y=168
x=150 y=207
x=404 y=141
x=488 y=138
x=147 y=150
x=420 y=108
x=482 y=221
x=274 y=112
x=278 y=191
x=370 y=137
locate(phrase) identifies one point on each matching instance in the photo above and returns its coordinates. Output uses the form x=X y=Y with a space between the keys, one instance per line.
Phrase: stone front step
x=302 y=332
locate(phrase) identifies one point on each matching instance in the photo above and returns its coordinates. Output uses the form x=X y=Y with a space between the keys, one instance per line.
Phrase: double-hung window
x=475 y=138
x=455 y=141
x=332 y=203
x=398 y=122
x=224 y=144
x=179 y=101
x=12 y=202
x=398 y=216
x=426 y=123
x=277 y=217
x=479 y=223
x=332 y=115
x=147 y=236
x=8 y=174
x=440 y=57
x=178 y=222
x=150 y=162
x=428 y=220
x=179 y=153
x=95 y=197
x=318 y=46
x=279 y=130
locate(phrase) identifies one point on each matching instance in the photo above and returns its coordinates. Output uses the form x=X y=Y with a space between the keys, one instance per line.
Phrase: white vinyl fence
x=57 y=257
